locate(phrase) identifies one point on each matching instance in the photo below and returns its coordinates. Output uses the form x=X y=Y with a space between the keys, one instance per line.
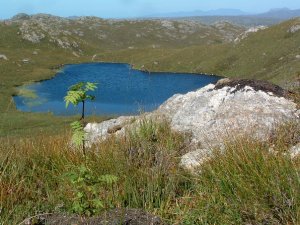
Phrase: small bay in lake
x=121 y=89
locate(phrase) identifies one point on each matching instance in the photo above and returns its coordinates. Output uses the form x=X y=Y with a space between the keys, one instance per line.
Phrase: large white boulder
x=214 y=115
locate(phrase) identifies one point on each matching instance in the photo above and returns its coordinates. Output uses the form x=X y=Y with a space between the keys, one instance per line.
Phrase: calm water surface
x=121 y=90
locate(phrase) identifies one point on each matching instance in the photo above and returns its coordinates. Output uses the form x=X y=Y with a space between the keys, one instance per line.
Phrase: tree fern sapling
x=78 y=93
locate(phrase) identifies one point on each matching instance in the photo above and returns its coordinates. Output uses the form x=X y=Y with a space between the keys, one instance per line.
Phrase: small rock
x=75 y=54
x=3 y=57
x=34 y=53
x=295 y=151
x=297 y=56
x=94 y=57
x=195 y=159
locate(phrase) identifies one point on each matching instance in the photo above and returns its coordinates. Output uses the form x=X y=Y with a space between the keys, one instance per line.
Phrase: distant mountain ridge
x=278 y=13
x=216 y=12
x=281 y=13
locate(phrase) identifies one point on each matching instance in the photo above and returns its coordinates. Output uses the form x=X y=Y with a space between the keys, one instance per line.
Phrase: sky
x=134 y=8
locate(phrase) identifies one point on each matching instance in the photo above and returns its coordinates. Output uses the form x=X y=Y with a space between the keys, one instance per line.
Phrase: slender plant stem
x=83 y=108
x=83 y=124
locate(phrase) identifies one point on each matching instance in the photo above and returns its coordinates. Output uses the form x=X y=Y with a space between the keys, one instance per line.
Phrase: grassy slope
x=268 y=54
x=246 y=185
x=14 y=72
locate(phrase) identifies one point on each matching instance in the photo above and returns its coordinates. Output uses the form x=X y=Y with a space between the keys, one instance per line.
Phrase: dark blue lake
x=121 y=90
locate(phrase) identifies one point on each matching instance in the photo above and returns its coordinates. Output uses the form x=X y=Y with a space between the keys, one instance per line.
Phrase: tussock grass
x=246 y=184
x=33 y=172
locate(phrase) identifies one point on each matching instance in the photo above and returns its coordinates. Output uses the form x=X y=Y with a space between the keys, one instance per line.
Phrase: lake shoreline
x=60 y=66
x=121 y=94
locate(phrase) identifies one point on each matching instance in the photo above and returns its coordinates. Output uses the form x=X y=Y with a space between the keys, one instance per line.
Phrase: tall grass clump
x=34 y=173
x=249 y=183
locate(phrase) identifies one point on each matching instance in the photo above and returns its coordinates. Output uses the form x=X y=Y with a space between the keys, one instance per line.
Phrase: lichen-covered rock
x=214 y=115
x=217 y=113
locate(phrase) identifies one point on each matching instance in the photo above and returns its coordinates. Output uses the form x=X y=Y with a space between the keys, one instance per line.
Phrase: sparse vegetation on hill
x=248 y=182
x=35 y=46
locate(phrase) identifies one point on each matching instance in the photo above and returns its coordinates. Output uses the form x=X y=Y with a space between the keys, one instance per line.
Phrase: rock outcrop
x=248 y=32
x=74 y=33
x=216 y=114
x=294 y=28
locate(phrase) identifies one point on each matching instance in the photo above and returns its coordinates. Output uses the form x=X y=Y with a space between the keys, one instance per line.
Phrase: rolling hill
x=34 y=47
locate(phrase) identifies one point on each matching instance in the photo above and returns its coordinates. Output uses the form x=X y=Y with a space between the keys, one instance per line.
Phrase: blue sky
x=133 y=8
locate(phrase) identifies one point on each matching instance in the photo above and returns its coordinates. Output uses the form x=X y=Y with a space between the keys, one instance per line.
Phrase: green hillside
x=43 y=177
x=36 y=46
x=270 y=54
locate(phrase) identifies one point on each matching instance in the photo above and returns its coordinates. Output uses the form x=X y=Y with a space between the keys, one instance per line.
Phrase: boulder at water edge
x=215 y=114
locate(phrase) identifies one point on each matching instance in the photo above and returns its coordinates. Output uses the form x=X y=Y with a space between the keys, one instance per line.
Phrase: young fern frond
x=90 y=86
x=77 y=86
x=79 y=134
x=76 y=126
x=72 y=97
x=108 y=179
x=76 y=94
